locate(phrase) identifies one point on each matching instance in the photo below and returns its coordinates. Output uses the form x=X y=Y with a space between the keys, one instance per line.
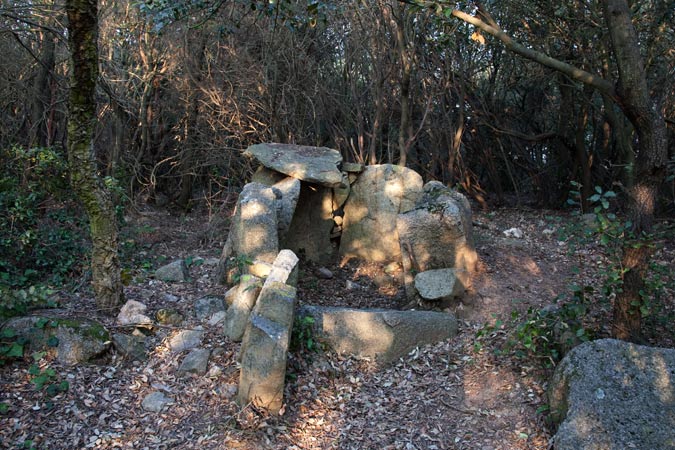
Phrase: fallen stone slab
x=614 y=395
x=284 y=269
x=385 y=335
x=312 y=164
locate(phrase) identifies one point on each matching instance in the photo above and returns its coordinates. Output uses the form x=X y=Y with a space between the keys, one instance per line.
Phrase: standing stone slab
x=310 y=229
x=290 y=193
x=385 y=335
x=253 y=232
x=379 y=194
x=437 y=234
x=614 y=395
x=312 y=164
x=241 y=299
x=265 y=346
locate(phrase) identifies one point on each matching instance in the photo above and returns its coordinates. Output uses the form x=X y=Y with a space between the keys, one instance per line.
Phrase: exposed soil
x=444 y=396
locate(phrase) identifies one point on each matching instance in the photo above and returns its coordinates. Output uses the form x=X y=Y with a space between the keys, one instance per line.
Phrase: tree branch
x=599 y=83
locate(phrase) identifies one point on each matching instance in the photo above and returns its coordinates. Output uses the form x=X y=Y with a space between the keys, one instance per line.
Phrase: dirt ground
x=445 y=396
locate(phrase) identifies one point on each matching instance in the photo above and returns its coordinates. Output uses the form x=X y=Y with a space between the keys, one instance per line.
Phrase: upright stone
x=284 y=269
x=310 y=229
x=318 y=165
x=290 y=193
x=253 y=232
x=437 y=234
x=379 y=194
x=265 y=346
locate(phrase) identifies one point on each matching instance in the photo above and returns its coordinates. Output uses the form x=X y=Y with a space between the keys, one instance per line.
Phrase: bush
x=41 y=233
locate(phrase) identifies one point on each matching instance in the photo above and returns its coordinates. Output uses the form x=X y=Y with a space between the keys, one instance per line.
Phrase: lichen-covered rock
x=613 y=395
x=377 y=197
x=75 y=340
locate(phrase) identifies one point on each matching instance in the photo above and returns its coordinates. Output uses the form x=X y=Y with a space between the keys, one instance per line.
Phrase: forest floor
x=452 y=395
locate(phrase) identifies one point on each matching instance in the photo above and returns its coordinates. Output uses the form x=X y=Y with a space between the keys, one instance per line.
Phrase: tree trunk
x=650 y=162
x=82 y=37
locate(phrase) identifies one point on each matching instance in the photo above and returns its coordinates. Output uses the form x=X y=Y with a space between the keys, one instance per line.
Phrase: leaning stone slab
x=437 y=234
x=312 y=164
x=613 y=395
x=289 y=189
x=241 y=299
x=75 y=340
x=377 y=197
x=385 y=335
x=265 y=346
x=173 y=272
x=438 y=285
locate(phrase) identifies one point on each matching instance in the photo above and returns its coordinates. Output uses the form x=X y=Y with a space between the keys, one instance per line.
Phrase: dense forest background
x=184 y=87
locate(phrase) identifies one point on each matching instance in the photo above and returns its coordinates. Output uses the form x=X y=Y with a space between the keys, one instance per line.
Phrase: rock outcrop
x=613 y=395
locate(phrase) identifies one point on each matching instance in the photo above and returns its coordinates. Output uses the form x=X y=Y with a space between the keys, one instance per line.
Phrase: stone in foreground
x=385 y=335
x=265 y=346
x=156 y=402
x=241 y=299
x=195 y=362
x=613 y=395
x=312 y=164
x=186 y=340
x=133 y=313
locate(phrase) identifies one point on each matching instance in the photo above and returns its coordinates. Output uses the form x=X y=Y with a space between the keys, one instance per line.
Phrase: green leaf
x=53 y=341
x=594 y=198
x=15 y=351
x=598 y=189
x=34 y=369
x=4 y=407
x=64 y=386
x=41 y=323
x=37 y=356
x=605 y=203
x=40 y=381
x=609 y=194
x=7 y=333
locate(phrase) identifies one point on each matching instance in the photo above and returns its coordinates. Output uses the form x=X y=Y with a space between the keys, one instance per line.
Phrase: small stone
x=132 y=313
x=215 y=372
x=169 y=317
x=186 y=340
x=174 y=272
x=130 y=346
x=392 y=268
x=208 y=305
x=171 y=298
x=514 y=233
x=195 y=362
x=352 y=286
x=156 y=401
x=324 y=273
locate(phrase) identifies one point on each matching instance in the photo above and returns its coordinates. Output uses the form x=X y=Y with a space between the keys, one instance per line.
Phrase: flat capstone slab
x=311 y=164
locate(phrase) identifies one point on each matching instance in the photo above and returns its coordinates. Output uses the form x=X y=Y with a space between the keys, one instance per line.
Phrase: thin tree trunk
x=82 y=36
